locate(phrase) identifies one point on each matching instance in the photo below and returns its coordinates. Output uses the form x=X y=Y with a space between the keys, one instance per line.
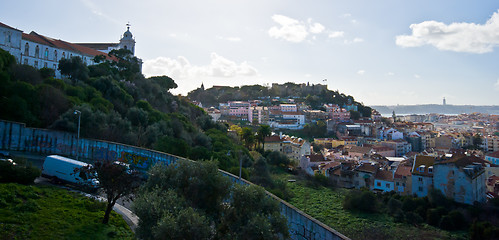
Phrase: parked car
x=62 y=169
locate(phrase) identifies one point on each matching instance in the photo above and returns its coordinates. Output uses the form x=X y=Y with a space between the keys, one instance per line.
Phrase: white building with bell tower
x=127 y=41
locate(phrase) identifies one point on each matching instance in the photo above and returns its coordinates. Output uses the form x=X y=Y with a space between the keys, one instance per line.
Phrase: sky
x=384 y=52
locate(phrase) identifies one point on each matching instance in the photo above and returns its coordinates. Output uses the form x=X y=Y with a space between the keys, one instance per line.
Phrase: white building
x=45 y=52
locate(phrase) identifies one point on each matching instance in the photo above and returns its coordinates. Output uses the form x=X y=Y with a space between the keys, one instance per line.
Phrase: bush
x=413 y=218
x=364 y=201
x=10 y=173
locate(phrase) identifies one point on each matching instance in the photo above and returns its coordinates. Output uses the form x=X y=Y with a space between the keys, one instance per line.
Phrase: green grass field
x=45 y=212
x=325 y=205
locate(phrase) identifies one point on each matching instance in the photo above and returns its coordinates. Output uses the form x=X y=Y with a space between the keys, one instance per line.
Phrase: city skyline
x=383 y=53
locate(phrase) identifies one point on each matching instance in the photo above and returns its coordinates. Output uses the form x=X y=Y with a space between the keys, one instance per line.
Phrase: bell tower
x=127 y=41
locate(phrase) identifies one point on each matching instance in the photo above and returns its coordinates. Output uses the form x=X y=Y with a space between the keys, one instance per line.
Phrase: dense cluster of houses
x=406 y=154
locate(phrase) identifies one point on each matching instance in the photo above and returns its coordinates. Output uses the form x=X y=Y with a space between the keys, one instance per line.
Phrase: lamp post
x=78 y=139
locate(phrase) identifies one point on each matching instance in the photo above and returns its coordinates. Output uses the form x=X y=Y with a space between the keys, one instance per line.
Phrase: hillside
x=117 y=103
x=313 y=95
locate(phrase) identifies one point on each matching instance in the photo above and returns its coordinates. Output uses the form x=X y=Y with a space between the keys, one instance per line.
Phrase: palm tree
x=263 y=131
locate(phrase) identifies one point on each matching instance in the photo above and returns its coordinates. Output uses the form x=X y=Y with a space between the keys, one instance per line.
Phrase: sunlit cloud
x=293 y=30
x=336 y=34
x=181 y=68
x=361 y=72
x=417 y=76
x=457 y=37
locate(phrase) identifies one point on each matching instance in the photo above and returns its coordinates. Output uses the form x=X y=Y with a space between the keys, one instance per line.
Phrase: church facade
x=45 y=52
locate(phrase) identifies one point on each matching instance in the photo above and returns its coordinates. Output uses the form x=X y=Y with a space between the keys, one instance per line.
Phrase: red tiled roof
x=384 y=175
x=493 y=154
x=402 y=171
x=9 y=27
x=367 y=168
x=316 y=158
x=274 y=138
x=57 y=43
x=463 y=160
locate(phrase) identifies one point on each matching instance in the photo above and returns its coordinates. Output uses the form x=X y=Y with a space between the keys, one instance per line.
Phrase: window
x=44 y=65
x=63 y=55
x=70 y=55
x=420 y=179
x=8 y=38
x=46 y=54
x=403 y=184
x=378 y=184
x=26 y=49
x=37 y=51
x=420 y=189
x=36 y=64
x=55 y=55
x=54 y=66
x=125 y=47
x=387 y=185
x=397 y=183
x=26 y=61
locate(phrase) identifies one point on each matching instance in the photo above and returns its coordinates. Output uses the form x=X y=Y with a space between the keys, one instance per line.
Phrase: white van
x=59 y=168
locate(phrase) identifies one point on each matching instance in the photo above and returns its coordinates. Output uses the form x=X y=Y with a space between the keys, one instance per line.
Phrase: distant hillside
x=435 y=108
x=314 y=95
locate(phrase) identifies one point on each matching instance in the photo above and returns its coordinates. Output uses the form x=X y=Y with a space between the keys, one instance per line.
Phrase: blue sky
x=380 y=52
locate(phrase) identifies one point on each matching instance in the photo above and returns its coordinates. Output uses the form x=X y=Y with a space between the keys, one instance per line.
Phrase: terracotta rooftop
x=366 y=167
x=493 y=154
x=402 y=171
x=420 y=160
x=9 y=27
x=57 y=43
x=316 y=158
x=463 y=161
x=384 y=175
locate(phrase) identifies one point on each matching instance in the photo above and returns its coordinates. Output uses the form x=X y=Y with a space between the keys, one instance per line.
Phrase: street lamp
x=78 y=141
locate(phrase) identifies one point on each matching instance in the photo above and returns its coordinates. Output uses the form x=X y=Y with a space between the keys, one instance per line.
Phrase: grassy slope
x=44 y=212
x=325 y=205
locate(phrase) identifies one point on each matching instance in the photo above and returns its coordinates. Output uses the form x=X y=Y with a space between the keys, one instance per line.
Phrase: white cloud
x=181 y=68
x=293 y=30
x=390 y=74
x=315 y=27
x=361 y=72
x=355 y=40
x=458 y=37
x=290 y=30
x=336 y=34
x=358 y=40
x=496 y=85
x=417 y=76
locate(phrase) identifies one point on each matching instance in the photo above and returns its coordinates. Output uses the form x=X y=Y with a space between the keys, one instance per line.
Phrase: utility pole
x=78 y=139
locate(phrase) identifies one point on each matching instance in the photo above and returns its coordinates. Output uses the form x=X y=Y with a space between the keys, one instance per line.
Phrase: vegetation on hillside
x=117 y=103
x=190 y=200
x=312 y=95
x=45 y=212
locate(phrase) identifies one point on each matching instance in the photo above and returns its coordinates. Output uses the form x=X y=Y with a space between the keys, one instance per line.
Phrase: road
x=122 y=207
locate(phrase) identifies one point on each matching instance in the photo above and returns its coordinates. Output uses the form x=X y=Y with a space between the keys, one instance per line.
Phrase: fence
x=16 y=137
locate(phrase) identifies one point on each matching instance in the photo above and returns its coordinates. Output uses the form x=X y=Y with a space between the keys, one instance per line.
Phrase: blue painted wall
x=16 y=137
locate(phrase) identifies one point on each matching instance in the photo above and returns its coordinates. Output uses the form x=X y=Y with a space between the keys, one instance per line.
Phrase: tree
x=192 y=200
x=115 y=180
x=250 y=214
x=263 y=132
x=248 y=136
x=74 y=67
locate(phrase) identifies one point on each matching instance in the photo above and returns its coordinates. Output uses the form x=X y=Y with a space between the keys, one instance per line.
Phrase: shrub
x=413 y=218
x=364 y=201
x=18 y=174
